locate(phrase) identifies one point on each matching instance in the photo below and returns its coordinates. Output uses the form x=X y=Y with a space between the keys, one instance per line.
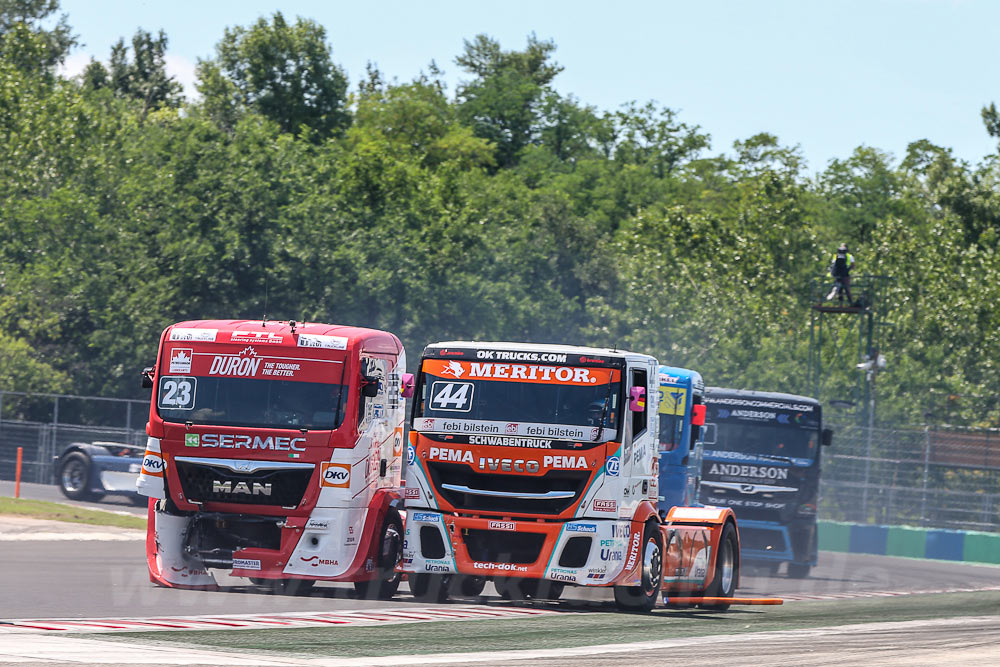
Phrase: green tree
x=283 y=72
x=19 y=18
x=142 y=77
x=502 y=103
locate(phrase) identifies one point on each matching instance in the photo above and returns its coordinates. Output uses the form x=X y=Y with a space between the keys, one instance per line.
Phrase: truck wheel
x=468 y=586
x=386 y=579
x=799 y=570
x=74 y=476
x=285 y=586
x=643 y=597
x=727 y=568
x=510 y=588
x=430 y=587
x=549 y=590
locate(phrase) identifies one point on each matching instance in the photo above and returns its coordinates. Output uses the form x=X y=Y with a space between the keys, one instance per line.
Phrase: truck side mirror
x=826 y=437
x=698 y=414
x=369 y=387
x=147 y=377
x=637 y=399
x=407 y=385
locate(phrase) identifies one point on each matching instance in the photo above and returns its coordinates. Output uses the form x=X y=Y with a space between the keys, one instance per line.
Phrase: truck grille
x=762 y=539
x=276 y=485
x=462 y=475
x=496 y=546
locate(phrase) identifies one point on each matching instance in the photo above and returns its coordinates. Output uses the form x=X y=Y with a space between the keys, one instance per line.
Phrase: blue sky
x=827 y=76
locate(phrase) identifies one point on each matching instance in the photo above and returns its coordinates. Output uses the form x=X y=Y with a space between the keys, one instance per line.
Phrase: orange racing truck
x=274 y=452
x=536 y=466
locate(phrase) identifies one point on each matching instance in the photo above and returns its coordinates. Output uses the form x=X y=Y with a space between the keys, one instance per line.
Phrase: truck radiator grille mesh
x=277 y=488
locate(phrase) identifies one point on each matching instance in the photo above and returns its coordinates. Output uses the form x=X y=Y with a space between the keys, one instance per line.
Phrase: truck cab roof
x=540 y=348
x=373 y=340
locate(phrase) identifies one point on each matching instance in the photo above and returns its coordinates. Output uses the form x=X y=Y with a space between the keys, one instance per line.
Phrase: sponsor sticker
x=244 y=441
x=180 y=360
x=570 y=375
x=581 y=528
x=425 y=516
x=411 y=454
x=613 y=466
x=152 y=465
x=317 y=524
x=605 y=505
x=201 y=335
x=673 y=401
x=321 y=341
x=507 y=567
x=335 y=475
x=246 y=564
x=502 y=525
x=266 y=337
x=316 y=561
x=412 y=492
x=245 y=364
x=633 y=551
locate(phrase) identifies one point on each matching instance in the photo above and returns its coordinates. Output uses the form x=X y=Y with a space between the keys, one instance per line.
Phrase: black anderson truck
x=762 y=459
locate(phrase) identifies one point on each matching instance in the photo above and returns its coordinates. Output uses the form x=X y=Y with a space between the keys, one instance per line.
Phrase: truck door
x=636 y=462
x=373 y=418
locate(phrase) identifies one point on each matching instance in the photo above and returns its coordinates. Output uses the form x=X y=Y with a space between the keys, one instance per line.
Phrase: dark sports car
x=90 y=470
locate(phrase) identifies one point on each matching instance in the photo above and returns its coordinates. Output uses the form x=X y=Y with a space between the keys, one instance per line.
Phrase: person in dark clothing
x=840 y=269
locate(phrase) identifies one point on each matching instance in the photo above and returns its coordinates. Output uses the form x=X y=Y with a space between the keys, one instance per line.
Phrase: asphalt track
x=91 y=578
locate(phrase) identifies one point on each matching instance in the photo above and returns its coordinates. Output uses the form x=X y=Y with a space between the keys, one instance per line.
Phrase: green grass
x=573 y=629
x=41 y=509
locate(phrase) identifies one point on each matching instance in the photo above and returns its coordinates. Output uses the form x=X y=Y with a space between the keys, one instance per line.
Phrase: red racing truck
x=274 y=453
x=537 y=467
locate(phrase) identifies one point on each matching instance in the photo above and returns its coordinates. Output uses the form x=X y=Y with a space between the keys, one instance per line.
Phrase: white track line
x=358 y=617
x=20 y=648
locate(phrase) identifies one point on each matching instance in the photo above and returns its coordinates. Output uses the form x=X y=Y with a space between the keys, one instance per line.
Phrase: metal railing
x=941 y=478
x=39 y=424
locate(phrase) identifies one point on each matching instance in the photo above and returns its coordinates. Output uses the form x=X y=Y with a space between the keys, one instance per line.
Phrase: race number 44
x=452 y=396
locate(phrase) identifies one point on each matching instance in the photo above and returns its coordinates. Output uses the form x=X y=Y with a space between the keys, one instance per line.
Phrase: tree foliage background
x=503 y=210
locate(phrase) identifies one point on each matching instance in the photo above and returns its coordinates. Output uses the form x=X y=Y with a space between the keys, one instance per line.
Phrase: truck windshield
x=220 y=401
x=520 y=394
x=761 y=439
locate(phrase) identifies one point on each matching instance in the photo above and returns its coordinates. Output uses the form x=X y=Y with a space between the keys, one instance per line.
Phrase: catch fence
x=43 y=424
x=933 y=477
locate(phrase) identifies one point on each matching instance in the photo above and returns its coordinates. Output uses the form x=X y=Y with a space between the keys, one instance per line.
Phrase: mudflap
x=168 y=565
x=692 y=537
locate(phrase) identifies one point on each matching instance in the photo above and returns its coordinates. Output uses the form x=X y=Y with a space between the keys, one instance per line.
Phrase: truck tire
x=467 y=585
x=727 y=568
x=799 y=570
x=511 y=588
x=285 y=586
x=386 y=580
x=643 y=597
x=430 y=587
x=74 y=476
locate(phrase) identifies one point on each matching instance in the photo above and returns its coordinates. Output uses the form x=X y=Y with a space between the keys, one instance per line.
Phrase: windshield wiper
x=775 y=457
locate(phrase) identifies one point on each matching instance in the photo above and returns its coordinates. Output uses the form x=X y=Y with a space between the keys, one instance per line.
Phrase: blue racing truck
x=762 y=459
x=681 y=412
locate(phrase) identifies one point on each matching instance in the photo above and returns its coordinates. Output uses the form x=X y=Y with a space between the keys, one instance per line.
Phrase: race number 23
x=177 y=392
x=452 y=396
